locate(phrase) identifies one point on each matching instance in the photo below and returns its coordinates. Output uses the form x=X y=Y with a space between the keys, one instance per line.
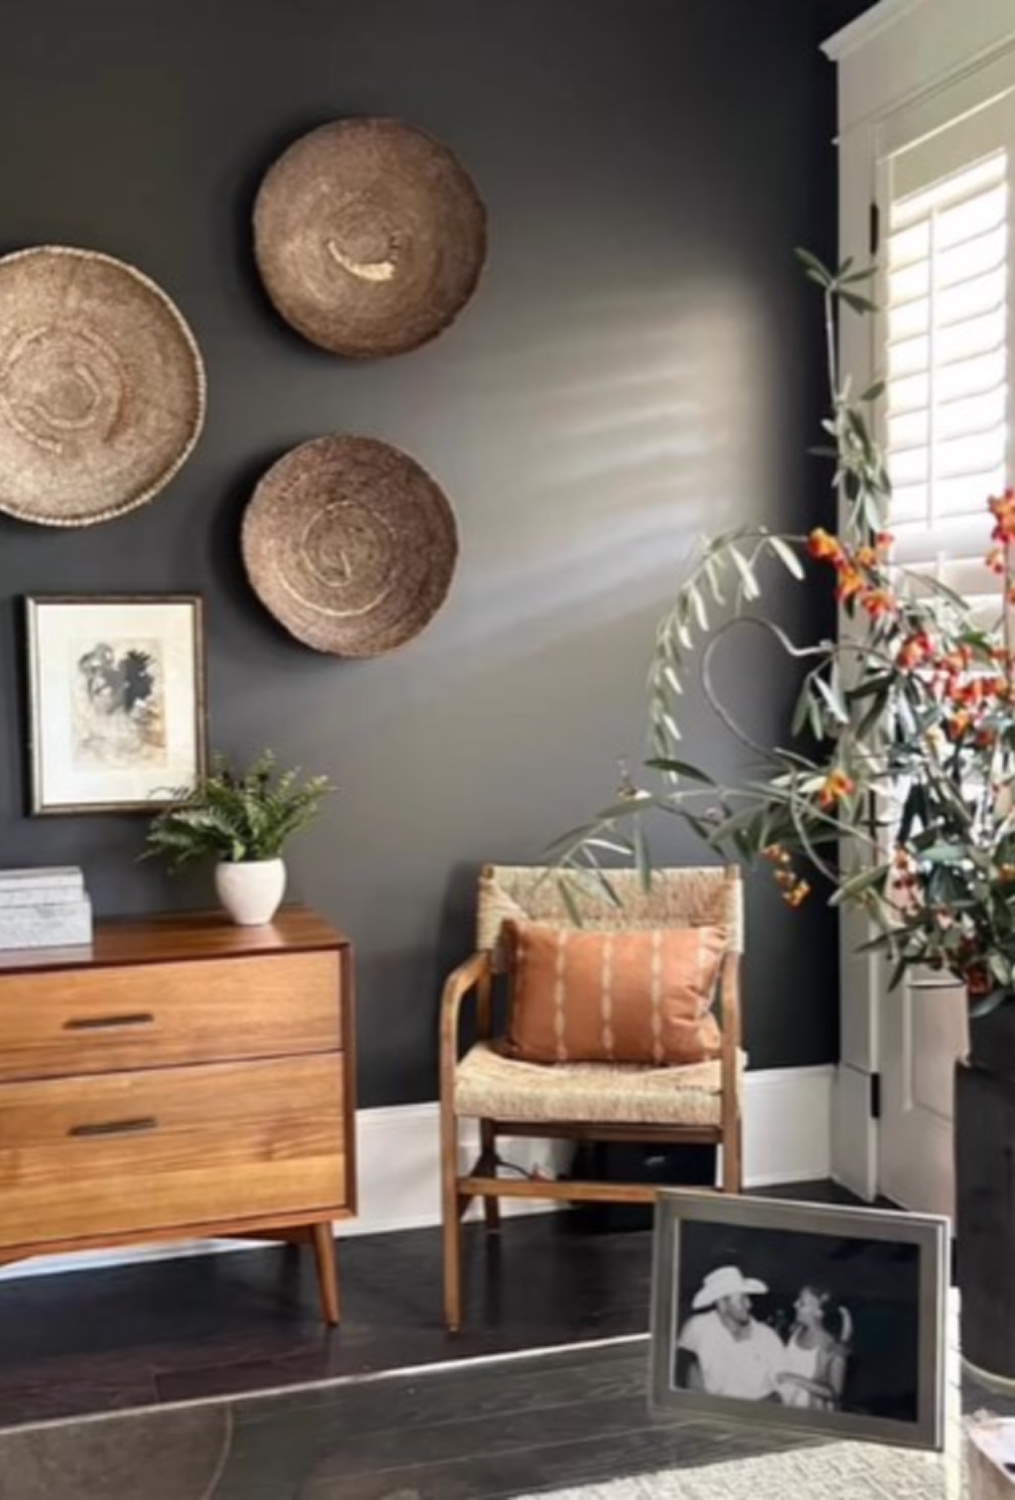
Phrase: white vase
x=250 y=891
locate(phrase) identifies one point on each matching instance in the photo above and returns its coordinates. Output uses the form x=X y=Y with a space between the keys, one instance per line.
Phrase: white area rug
x=833 y=1471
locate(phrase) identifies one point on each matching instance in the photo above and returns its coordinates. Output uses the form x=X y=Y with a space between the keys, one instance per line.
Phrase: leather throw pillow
x=635 y=996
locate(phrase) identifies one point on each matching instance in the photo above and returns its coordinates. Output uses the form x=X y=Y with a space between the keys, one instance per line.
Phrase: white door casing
x=905 y=69
x=923 y=1031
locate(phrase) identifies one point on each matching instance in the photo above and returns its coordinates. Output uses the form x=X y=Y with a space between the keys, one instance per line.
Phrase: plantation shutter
x=945 y=295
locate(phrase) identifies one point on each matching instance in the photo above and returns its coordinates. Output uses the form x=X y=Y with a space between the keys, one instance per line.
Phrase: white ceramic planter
x=251 y=892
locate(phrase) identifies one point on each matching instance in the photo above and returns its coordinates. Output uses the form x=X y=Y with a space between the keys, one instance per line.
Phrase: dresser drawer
x=97 y=1020
x=129 y=1153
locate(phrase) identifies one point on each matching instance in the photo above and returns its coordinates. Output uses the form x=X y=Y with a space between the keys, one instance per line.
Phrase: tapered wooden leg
x=327 y=1271
x=450 y=1206
x=491 y=1206
x=731 y=1158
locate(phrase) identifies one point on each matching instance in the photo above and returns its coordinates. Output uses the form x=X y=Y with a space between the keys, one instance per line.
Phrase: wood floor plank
x=521 y=1426
x=496 y=1391
x=353 y=1451
x=551 y=1465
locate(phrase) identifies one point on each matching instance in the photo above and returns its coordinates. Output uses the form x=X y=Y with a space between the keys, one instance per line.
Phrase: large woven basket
x=370 y=237
x=102 y=389
x=350 y=544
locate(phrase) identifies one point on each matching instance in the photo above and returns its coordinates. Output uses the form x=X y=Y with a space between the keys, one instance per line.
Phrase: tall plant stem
x=830 y=346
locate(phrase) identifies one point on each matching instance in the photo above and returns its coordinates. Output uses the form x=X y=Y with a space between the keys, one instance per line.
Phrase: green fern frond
x=237 y=815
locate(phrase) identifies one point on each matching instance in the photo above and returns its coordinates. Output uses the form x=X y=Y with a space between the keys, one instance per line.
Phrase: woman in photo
x=817 y=1352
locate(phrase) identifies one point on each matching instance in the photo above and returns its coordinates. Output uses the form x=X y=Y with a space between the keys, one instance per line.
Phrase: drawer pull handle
x=100 y=1023
x=117 y=1127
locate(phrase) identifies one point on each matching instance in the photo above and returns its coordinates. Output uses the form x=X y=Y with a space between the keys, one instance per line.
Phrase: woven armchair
x=699 y=1103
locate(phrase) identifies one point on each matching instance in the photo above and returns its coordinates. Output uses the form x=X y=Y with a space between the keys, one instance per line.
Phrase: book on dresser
x=44 y=907
x=180 y=1077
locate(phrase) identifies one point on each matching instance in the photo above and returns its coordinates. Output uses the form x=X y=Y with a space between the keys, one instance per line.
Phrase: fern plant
x=237 y=816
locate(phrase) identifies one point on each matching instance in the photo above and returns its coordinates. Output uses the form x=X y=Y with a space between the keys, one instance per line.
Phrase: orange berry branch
x=895 y=787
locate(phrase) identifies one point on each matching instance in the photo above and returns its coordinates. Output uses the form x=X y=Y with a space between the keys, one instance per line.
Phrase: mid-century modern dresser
x=179 y=1078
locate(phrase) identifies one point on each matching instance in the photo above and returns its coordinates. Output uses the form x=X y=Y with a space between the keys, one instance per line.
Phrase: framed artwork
x=115 y=700
x=831 y=1320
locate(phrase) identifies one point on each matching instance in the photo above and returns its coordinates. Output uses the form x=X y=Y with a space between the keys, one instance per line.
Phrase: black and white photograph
x=116 y=701
x=805 y=1315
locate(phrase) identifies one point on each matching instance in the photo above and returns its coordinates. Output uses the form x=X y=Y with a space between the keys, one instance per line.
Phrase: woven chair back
x=694 y=896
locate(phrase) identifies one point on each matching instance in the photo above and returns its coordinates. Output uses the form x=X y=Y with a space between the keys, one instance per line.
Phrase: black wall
x=642 y=362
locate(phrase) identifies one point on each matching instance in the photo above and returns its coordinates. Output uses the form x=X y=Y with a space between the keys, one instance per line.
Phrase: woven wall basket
x=370 y=237
x=350 y=544
x=102 y=388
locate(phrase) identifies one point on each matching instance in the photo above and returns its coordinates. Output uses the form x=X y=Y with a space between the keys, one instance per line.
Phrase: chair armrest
x=473 y=974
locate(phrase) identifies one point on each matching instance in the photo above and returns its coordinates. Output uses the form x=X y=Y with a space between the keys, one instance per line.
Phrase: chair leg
x=491 y=1206
x=451 y=1219
x=732 y=1158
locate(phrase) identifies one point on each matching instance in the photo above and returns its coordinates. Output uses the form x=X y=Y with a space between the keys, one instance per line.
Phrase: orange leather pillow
x=631 y=996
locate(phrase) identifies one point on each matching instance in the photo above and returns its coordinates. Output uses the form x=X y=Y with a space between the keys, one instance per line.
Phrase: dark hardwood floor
x=101 y=1341
x=498 y=1430
x=495 y=1430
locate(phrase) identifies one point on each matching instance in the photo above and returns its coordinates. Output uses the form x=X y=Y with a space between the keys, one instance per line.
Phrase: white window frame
x=903 y=61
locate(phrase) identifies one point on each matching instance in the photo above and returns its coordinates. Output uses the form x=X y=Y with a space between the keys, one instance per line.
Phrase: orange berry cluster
x=1002 y=508
x=904 y=879
x=972 y=700
x=794 y=889
x=916 y=651
x=835 y=786
x=960 y=683
x=977 y=979
x=858 y=573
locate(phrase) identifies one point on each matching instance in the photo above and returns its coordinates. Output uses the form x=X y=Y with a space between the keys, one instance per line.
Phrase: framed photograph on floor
x=115 y=701
x=801 y=1315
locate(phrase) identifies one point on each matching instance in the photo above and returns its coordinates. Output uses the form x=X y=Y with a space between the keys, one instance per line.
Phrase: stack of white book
x=44 y=908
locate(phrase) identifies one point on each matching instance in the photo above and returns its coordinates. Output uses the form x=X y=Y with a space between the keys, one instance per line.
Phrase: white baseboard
x=787 y=1138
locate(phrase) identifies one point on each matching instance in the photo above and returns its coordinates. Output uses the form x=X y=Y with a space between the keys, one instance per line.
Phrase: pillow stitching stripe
x=655 y=994
x=606 y=996
x=560 y=994
x=699 y=972
x=516 y=949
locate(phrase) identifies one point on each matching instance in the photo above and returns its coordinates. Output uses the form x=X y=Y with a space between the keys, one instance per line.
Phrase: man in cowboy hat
x=730 y=1353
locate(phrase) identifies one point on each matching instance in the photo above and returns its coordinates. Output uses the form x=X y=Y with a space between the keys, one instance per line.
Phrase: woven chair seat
x=489 y=1085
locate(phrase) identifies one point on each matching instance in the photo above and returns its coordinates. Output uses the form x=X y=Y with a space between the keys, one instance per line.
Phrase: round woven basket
x=370 y=237
x=350 y=544
x=102 y=389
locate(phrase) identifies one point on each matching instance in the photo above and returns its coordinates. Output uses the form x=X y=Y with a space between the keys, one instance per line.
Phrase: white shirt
x=743 y=1368
x=800 y=1361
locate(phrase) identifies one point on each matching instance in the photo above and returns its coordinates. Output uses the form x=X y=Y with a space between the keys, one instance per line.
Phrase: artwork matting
x=116 y=701
x=818 y=1318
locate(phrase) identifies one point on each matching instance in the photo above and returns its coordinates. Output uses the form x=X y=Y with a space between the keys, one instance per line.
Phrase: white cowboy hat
x=726 y=1281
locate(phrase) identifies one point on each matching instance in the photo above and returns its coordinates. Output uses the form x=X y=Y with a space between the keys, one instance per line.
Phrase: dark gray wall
x=642 y=362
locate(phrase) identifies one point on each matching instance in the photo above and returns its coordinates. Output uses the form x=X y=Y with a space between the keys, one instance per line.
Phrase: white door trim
x=896 y=55
x=901 y=49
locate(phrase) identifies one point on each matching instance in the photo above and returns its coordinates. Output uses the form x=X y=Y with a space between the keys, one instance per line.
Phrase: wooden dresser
x=180 y=1078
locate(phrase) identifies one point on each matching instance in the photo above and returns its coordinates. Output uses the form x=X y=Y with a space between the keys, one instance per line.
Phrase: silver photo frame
x=815 y=1317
